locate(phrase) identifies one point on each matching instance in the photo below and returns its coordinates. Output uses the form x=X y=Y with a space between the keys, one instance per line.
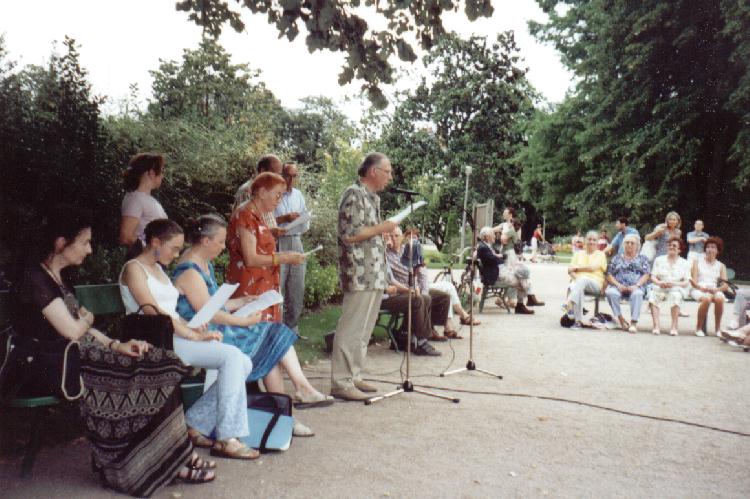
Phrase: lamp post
x=466 y=200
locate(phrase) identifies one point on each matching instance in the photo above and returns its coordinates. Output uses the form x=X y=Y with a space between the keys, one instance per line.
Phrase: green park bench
x=102 y=300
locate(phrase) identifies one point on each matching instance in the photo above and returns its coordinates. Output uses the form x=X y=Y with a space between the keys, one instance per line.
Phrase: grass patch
x=315 y=325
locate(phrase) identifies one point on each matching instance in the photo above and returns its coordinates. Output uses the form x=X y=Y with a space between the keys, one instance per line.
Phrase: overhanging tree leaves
x=337 y=25
x=472 y=113
x=666 y=115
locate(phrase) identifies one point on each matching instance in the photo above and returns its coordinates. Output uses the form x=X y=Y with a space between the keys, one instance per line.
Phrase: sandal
x=196 y=463
x=221 y=449
x=436 y=337
x=199 y=440
x=453 y=335
x=315 y=400
x=467 y=320
x=194 y=476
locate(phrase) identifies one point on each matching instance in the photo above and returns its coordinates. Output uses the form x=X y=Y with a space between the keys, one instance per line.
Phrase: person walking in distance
x=290 y=207
x=362 y=274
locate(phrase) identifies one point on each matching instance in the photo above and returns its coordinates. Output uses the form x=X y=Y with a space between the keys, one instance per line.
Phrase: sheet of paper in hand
x=401 y=216
x=267 y=299
x=213 y=305
x=303 y=218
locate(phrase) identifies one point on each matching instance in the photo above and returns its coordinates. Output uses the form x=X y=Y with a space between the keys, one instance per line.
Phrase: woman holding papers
x=223 y=408
x=253 y=261
x=268 y=344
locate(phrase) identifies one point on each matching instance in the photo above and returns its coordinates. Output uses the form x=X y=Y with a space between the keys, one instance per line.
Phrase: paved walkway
x=493 y=445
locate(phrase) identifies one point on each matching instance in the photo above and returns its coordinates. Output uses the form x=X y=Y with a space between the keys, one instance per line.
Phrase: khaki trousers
x=358 y=316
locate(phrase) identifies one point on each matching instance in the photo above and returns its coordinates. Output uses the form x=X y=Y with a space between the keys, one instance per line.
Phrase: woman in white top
x=670 y=275
x=223 y=407
x=144 y=174
x=707 y=273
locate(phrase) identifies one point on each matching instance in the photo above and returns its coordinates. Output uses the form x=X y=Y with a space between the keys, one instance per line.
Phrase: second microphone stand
x=470 y=365
x=407 y=386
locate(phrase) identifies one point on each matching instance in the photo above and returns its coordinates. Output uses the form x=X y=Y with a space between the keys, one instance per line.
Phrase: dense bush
x=321 y=283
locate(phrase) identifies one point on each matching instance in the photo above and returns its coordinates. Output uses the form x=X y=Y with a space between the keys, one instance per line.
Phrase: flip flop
x=453 y=335
x=318 y=400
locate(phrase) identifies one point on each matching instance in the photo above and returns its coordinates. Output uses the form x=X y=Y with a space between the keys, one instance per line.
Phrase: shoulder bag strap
x=271 y=424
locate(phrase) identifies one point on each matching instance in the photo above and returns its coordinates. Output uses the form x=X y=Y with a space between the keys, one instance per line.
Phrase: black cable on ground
x=578 y=402
x=560 y=399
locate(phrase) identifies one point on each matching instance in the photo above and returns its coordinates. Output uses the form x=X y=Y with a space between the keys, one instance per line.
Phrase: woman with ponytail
x=144 y=174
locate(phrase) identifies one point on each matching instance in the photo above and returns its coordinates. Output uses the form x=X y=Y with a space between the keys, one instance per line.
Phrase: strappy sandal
x=453 y=335
x=199 y=440
x=309 y=401
x=467 y=320
x=195 y=477
x=220 y=449
x=196 y=463
x=436 y=337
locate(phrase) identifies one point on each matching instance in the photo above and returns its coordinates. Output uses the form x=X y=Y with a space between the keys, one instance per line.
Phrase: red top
x=252 y=280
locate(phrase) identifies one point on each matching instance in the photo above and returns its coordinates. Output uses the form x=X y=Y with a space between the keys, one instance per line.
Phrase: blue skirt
x=265 y=343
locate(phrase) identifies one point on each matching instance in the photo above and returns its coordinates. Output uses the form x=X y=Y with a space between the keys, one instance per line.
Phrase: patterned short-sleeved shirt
x=362 y=264
x=629 y=272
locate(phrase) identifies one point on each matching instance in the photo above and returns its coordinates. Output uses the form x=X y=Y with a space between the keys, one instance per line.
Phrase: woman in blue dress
x=269 y=345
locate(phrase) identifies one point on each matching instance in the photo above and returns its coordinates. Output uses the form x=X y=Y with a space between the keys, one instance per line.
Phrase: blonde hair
x=673 y=213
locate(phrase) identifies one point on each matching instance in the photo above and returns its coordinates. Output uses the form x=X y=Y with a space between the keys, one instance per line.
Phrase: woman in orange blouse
x=253 y=261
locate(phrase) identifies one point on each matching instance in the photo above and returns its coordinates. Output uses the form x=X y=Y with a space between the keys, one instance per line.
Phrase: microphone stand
x=470 y=365
x=407 y=386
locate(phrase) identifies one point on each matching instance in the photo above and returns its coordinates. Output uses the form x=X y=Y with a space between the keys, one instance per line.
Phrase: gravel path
x=495 y=445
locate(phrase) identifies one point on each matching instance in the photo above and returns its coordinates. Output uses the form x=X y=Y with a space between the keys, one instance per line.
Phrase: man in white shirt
x=291 y=206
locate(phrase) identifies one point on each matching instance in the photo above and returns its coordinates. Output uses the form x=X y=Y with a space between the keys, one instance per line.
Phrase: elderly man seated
x=627 y=276
x=435 y=305
x=586 y=272
x=495 y=272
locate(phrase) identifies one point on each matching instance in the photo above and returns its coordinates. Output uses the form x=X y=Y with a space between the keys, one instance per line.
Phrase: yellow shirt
x=597 y=259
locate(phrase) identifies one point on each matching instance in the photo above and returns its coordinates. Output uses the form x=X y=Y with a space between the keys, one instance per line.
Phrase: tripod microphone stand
x=470 y=365
x=407 y=386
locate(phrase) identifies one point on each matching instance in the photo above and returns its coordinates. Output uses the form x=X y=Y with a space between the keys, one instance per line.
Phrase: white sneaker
x=700 y=333
x=632 y=329
x=673 y=332
x=655 y=332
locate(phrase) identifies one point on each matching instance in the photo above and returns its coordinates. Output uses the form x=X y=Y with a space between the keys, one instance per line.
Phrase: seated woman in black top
x=141 y=444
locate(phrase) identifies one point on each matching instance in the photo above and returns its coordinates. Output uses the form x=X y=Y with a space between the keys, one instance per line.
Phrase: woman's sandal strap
x=197 y=463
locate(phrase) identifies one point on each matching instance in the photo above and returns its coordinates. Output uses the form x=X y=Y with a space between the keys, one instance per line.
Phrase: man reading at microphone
x=362 y=273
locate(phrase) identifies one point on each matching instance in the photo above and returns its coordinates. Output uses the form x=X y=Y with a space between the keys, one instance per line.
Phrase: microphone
x=399 y=190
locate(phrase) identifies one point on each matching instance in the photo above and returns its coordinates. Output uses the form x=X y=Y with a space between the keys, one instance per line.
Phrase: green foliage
x=321 y=283
x=470 y=113
x=660 y=118
x=54 y=149
x=334 y=25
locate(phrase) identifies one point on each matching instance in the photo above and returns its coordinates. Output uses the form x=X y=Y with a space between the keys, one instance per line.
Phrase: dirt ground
x=492 y=444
